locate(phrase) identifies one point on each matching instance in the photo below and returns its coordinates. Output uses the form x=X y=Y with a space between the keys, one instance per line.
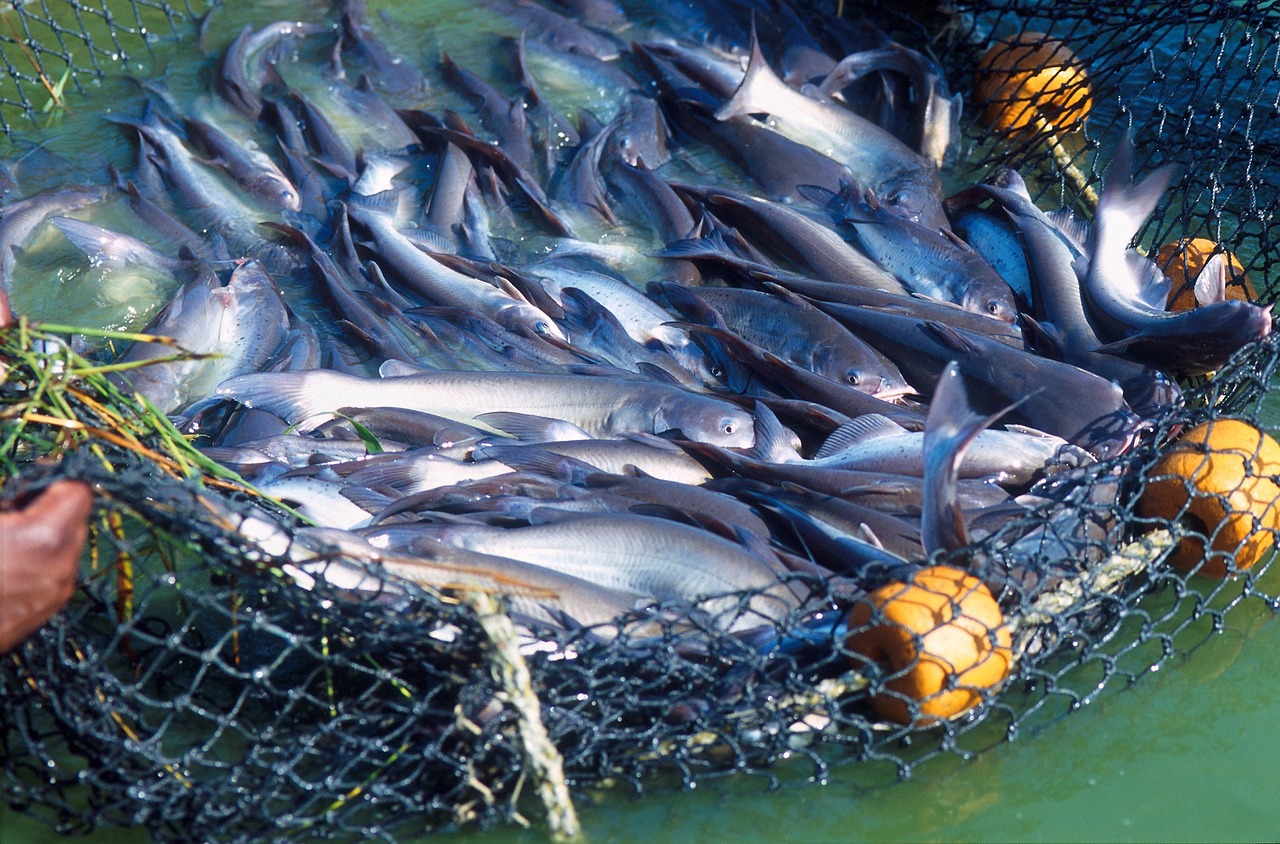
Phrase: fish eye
x=717 y=371
x=728 y=426
x=854 y=377
x=993 y=307
x=541 y=327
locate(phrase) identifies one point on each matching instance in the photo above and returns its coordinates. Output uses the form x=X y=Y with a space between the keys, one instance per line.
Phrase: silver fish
x=603 y=407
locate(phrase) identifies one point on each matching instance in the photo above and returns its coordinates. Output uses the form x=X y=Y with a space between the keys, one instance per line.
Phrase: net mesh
x=195 y=688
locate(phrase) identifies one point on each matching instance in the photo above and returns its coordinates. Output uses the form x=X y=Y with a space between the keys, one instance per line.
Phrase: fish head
x=914 y=199
x=715 y=422
x=993 y=297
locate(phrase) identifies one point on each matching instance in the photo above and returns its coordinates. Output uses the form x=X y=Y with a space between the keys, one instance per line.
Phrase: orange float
x=1183 y=260
x=1219 y=479
x=945 y=641
x=1029 y=78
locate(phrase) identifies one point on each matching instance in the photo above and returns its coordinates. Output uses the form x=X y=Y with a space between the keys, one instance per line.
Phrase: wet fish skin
x=804 y=335
x=927 y=261
x=664 y=560
x=1059 y=301
x=238 y=76
x=389 y=70
x=1197 y=341
x=253 y=170
x=908 y=185
x=239 y=325
x=601 y=406
x=20 y=220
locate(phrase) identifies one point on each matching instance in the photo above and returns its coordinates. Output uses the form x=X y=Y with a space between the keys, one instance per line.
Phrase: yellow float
x=1032 y=81
x=944 y=639
x=1183 y=260
x=1219 y=479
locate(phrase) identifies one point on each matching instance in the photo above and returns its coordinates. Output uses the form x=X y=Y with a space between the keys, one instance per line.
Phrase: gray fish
x=907 y=184
x=809 y=245
x=235 y=329
x=937 y=111
x=603 y=407
x=1055 y=397
x=1011 y=456
x=927 y=261
x=1195 y=341
x=653 y=457
x=1059 y=303
x=502 y=117
x=804 y=335
x=435 y=282
x=117 y=249
x=239 y=74
x=558 y=32
x=664 y=560
x=203 y=196
x=20 y=220
x=949 y=432
x=389 y=71
x=251 y=168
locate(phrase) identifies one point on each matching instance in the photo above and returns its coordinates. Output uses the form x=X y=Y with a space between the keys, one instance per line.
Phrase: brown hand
x=40 y=547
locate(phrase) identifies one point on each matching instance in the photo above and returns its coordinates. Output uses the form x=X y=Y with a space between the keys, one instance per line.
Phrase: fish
x=232 y=330
x=239 y=74
x=20 y=220
x=907 y=185
x=1121 y=297
x=934 y=263
x=1059 y=301
x=602 y=407
x=666 y=561
x=436 y=283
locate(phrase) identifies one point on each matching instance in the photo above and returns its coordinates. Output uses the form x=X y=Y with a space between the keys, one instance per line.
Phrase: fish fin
x=656 y=373
x=774 y=441
x=751 y=94
x=948 y=336
x=429 y=240
x=1073 y=228
x=370 y=500
x=394 y=368
x=527 y=427
x=1124 y=205
x=399 y=475
x=383 y=202
x=1151 y=284
x=1211 y=283
x=1044 y=337
x=290 y=395
x=863 y=429
x=1118 y=347
x=951 y=426
x=539 y=461
x=824 y=198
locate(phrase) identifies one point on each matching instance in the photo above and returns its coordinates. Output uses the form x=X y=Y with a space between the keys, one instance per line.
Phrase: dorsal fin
x=855 y=432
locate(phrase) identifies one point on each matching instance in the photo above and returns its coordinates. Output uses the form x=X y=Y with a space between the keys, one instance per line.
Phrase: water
x=1188 y=753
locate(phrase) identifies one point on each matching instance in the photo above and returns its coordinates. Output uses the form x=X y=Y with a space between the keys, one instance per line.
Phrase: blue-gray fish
x=1117 y=284
x=663 y=560
x=235 y=329
x=603 y=407
x=907 y=184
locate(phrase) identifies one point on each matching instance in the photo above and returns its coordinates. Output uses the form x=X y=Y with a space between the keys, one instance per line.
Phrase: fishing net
x=209 y=681
x=52 y=49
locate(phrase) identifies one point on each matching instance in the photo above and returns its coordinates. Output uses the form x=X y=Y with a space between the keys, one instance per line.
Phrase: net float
x=1032 y=81
x=1219 y=479
x=944 y=638
x=1184 y=260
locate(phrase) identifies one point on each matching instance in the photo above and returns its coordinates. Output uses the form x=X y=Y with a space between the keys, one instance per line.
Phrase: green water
x=1188 y=753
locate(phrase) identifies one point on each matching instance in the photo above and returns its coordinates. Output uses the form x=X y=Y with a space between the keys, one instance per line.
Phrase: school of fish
x=514 y=328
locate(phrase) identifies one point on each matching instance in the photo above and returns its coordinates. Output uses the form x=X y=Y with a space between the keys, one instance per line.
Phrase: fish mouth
x=893 y=394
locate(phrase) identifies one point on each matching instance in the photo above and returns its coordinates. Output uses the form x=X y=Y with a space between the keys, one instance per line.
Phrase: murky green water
x=1188 y=753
